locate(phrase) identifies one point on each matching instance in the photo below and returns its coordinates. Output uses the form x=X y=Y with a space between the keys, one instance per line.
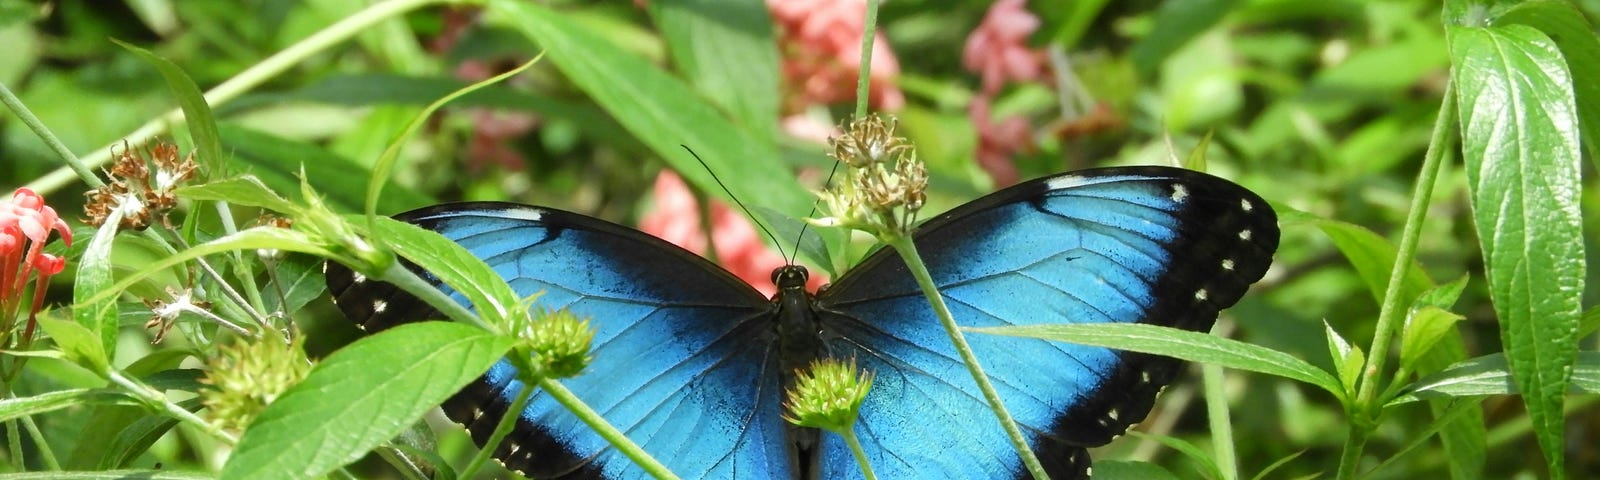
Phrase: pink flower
x=494 y=131
x=676 y=218
x=821 y=43
x=998 y=48
x=998 y=142
x=25 y=226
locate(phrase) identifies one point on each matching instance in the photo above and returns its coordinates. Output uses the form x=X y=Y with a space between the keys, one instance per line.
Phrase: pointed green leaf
x=1569 y=28
x=1423 y=329
x=1490 y=375
x=1348 y=360
x=1180 y=344
x=196 y=113
x=94 y=277
x=727 y=52
x=81 y=345
x=1520 y=145
x=661 y=110
x=360 y=397
x=246 y=190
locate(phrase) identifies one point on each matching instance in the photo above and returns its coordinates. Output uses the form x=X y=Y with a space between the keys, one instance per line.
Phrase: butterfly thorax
x=798 y=343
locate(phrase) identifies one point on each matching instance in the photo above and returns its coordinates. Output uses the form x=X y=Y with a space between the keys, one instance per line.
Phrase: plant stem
x=1221 y=422
x=613 y=436
x=859 y=453
x=903 y=245
x=1366 y=406
x=864 y=80
x=159 y=400
x=507 y=421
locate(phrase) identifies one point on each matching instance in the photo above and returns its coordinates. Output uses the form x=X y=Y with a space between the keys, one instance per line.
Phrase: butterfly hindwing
x=681 y=357
x=1141 y=244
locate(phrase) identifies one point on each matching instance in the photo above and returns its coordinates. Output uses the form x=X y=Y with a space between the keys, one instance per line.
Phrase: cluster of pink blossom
x=821 y=42
x=25 y=226
x=997 y=50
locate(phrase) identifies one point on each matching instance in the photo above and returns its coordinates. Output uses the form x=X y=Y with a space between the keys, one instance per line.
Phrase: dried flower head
x=886 y=184
x=134 y=196
x=246 y=376
x=164 y=314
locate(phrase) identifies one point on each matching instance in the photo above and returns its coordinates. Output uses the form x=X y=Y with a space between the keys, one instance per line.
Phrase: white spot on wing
x=1179 y=193
x=1064 y=181
x=1201 y=294
x=357 y=277
x=378 y=306
x=1244 y=234
x=1227 y=264
x=529 y=214
x=1246 y=205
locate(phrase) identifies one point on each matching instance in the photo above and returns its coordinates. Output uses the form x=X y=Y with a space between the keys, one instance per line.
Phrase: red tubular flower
x=676 y=218
x=25 y=226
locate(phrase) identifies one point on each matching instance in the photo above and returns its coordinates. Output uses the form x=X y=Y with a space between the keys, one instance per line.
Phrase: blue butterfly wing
x=1139 y=244
x=683 y=353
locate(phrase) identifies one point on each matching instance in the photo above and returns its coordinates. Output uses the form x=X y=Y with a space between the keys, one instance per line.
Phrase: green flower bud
x=828 y=396
x=246 y=376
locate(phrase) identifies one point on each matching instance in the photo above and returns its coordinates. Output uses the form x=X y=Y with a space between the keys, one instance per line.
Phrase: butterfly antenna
x=806 y=225
x=747 y=212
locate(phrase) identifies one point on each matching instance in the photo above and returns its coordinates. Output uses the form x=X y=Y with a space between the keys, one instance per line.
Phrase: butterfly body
x=690 y=362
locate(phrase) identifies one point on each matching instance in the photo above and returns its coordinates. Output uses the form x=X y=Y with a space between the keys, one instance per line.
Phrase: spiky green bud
x=827 y=396
x=246 y=376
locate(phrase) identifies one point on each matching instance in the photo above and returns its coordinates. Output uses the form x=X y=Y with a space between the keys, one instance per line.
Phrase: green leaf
x=13 y=408
x=1207 y=466
x=278 y=163
x=1423 y=329
x=803 y=237
x=246 y=190
x=661 y=111
x=80 y=345
x=360 y=397
x=1520 y=145
x=727 y=52
x=1348 y=360
x=1176 y=23
x=196 y=113
x=1180 y=344
x=1373 y=258
x=452 y=265
x=249 y=239
x=296 y=281
x=1490 y=375
x=94 y=277
x=1570 y=30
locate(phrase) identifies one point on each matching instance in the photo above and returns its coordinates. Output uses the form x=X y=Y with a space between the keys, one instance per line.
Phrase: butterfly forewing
x=682 y=357
x=1150 y=245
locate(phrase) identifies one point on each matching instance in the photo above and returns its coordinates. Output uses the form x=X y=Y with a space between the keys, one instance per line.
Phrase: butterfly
x=689 y=361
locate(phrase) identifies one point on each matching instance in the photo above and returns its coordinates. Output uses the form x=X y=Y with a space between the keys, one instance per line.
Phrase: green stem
x=1366 y=406
x=859 y=453
x=507 y=421
x=903 y=245
x=1221 y=421
x=869 y=32
x=28 y=118
x=615 y=437
x=251 y=78
x=158 y=400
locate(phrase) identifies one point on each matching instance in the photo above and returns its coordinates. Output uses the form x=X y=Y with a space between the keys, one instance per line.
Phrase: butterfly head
x=790 y=277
